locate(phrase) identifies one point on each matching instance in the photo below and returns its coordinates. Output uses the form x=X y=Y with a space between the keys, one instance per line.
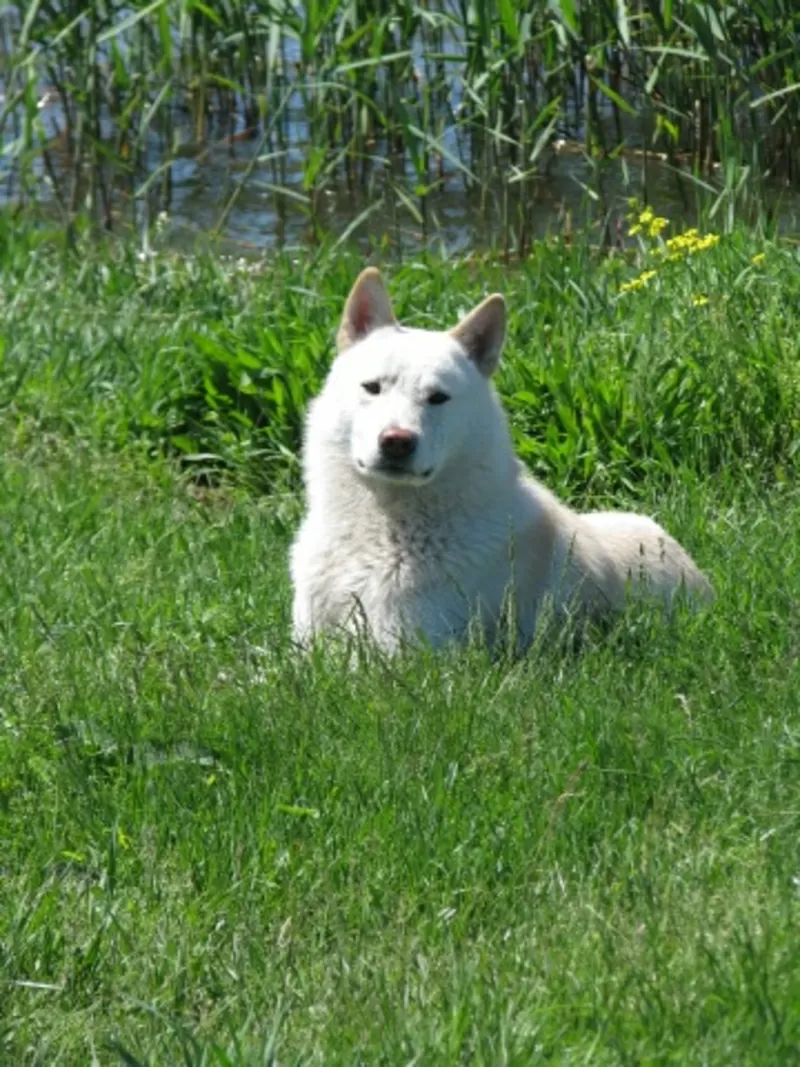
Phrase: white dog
x=420 y=517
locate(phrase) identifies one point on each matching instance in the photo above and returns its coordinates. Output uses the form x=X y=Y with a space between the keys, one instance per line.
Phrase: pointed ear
x=482 y=332
x=368 y=308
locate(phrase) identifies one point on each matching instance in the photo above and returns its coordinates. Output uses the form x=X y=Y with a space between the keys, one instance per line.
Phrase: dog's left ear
x=482 y=332
x=368 y=308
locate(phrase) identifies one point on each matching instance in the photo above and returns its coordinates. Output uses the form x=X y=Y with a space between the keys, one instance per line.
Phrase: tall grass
x=395 y=99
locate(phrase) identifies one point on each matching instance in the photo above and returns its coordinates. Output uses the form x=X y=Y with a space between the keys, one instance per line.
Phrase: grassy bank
x=391 y=101
x=215 y=852
x=682 y=355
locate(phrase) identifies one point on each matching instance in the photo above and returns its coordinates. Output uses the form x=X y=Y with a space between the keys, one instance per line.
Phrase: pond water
x=563 y=198
x=570 y=192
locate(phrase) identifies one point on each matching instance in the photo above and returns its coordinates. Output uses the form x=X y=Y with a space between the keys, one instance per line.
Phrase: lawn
x=216 y=851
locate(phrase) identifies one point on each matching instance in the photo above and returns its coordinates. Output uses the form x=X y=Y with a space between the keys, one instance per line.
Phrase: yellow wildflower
x=645 y=221
x=705 y=243
x=648 y=223
x=687 y=243
x=699 y=301
x=637 y=283
x=758 y=258
x=682 y=241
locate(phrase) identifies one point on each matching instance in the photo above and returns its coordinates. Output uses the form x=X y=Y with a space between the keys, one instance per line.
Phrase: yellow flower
x=648 y=223
x=687 y=243
x=699 y=301
x=759 y=257
x=705 y=243
x=637 y=283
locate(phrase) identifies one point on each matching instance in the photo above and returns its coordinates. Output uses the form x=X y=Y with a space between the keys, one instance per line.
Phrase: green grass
x=217 y=359
x=589 y=859
x=215 y=851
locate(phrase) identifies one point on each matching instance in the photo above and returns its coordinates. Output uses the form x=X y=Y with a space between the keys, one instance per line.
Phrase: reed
x=393 y=100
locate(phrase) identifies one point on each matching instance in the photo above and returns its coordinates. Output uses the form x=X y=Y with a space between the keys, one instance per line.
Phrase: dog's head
x=409 y=399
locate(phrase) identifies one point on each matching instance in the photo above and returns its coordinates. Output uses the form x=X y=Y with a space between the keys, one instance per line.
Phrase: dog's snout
x=396 y=443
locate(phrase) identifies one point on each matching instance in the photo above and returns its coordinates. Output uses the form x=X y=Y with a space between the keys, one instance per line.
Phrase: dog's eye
x=373 y=388
x=438 y=397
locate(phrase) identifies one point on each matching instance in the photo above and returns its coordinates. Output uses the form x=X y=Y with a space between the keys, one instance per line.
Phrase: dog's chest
x=398 y=560
x=415 y=575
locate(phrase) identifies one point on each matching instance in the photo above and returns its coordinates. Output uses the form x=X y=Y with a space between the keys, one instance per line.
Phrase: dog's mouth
x=395 y=472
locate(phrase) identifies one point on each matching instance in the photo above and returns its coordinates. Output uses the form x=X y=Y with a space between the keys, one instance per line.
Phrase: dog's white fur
x=421 y=552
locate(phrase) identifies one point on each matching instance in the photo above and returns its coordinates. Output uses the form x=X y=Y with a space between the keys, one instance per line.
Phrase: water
x=562 y=198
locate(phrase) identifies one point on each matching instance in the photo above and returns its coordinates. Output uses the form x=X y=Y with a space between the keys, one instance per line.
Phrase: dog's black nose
x=396 y=444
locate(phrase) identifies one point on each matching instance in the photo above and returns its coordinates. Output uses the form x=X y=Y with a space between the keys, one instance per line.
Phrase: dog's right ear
x=368 y=308
x=482 y=332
